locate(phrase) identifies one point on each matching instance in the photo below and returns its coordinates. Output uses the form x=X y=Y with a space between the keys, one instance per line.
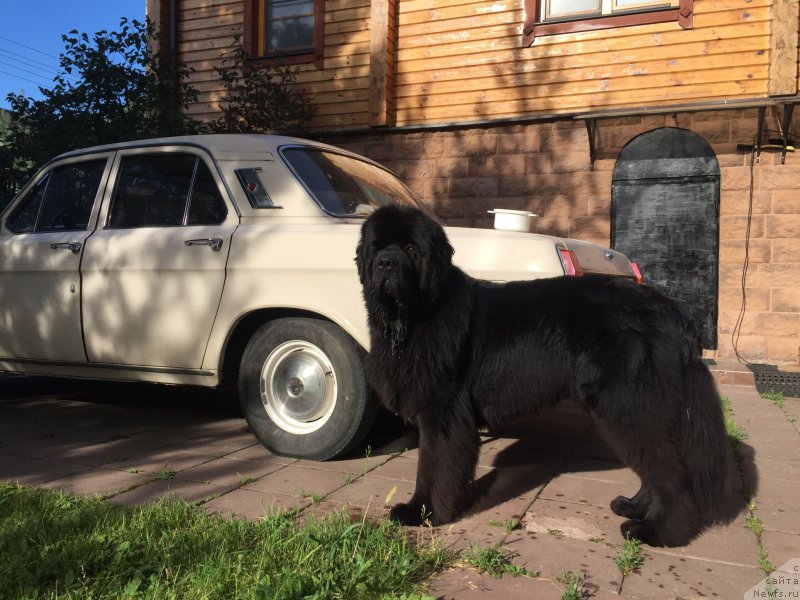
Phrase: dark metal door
x=665 y=216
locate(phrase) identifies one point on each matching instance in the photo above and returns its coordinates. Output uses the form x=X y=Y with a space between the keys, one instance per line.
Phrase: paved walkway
x=135 y=443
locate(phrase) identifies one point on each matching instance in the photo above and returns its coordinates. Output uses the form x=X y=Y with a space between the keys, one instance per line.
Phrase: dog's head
x=402 y=257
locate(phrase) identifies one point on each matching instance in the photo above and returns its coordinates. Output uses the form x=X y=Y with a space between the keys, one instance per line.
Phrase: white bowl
x=511 y=220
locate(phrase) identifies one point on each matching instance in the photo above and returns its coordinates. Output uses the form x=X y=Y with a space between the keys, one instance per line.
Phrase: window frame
x=533 y=28
x=410 y=200
x=189 y=150
x=45 y=176
x=254 y=38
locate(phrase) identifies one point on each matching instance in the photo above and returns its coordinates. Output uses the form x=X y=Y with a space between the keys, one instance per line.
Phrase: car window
x=61 y=201
x=165 y=190
x=346 y=186
x=206 y=206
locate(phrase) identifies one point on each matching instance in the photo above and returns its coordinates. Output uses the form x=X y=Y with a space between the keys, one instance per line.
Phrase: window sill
x=287 y=59
x=682 y=15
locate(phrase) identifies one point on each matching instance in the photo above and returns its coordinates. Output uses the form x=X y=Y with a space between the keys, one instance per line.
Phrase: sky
x=30 y=37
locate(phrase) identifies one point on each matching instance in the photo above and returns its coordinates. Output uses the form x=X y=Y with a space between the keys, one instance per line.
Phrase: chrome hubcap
x=298 y=387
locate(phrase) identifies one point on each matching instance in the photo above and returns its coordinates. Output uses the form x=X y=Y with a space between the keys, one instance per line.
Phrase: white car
x=223 y=259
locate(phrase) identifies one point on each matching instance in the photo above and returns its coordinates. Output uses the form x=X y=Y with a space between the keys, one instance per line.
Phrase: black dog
x=451 y=354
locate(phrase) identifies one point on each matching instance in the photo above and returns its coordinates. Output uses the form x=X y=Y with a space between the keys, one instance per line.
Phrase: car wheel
x=302 y=389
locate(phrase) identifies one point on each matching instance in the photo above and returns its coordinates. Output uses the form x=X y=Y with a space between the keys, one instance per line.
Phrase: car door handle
x=73 y=247
x=215 y=243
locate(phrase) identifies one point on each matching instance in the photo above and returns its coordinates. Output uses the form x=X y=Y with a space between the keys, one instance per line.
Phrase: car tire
x=303 y=390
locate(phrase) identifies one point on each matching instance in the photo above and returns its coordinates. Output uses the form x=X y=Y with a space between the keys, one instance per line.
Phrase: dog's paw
x=624 y=507
x=642 y=531
x=410 y=514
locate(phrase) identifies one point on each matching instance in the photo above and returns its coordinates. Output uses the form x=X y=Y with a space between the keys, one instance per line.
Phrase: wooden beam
x=382 y=62
x=783 y=43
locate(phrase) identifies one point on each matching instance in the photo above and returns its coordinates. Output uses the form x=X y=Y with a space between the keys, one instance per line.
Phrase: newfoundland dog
x=451 y=354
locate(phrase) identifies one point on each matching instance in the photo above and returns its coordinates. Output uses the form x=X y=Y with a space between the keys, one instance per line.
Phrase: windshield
x=344 y=186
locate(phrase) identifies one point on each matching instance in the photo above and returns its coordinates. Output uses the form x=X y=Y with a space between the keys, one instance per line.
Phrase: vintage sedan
x=223 y=260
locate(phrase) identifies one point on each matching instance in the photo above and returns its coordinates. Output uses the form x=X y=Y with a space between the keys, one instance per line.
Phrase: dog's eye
x=410 y=249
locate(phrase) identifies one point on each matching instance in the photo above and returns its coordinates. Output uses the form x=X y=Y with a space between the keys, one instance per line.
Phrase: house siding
x=462 y=61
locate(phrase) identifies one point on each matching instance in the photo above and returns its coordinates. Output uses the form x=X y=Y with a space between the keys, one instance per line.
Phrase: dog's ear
x=436 y=261
x=363 y=256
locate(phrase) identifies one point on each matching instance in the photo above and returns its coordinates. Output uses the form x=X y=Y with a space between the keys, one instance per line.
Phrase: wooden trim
x=381 y=63
x=253 y=31
x=250 y=28
x=783 y=57
x=158 y=13
x=531 y=29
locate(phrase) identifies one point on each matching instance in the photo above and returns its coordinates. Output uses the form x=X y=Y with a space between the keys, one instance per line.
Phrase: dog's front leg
x=448 y=452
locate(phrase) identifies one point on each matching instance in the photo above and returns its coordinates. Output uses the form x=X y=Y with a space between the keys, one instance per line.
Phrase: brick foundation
x=545 y=168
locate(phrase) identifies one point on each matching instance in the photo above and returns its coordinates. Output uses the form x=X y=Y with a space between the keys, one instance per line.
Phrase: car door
x=42 y=237
x=154 y=270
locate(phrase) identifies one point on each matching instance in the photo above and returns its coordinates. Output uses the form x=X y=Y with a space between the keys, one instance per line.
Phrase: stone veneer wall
x=544 y=167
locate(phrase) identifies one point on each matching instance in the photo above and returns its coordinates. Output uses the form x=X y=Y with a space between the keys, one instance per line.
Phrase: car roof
x=221 y=145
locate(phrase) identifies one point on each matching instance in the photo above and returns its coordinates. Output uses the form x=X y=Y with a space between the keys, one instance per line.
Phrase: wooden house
x=664 y=128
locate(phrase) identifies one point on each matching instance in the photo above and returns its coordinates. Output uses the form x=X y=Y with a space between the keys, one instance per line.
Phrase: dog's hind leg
x=672 y=518
x=448 y=453
x=662 y=513
x=632 y=508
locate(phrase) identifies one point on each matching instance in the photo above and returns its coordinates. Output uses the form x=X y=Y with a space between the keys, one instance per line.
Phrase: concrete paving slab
x=251 y=504
x=584 y=490
x=781 y=547
x=777 y=505
x=573 y=520
x=372 y=492
x=97 y=482
x=781 y=469
x=609 y=471
x=160 y=460
x=258 y=452
x=668 y=576
x=154 y=491
x=227 y=472
x=729 y=545
x=468 y=584
x=36 y=471
x=300 y=482
x=462 y=535
x=397 y=467
x=551 y=556
x=352 y=466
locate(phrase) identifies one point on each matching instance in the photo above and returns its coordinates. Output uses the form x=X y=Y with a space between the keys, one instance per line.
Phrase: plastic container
x=511 y=220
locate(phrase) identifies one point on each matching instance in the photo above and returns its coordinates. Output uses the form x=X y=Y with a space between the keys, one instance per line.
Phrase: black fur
x=451 y=354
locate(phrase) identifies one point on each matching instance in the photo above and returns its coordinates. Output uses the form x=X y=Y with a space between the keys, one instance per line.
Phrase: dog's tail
x=706 y=451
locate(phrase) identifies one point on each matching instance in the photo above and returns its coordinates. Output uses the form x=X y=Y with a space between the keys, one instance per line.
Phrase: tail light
x=636 y=272
x=570 y=262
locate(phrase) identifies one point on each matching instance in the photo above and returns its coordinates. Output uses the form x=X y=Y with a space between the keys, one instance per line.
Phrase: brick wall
x=545 y=168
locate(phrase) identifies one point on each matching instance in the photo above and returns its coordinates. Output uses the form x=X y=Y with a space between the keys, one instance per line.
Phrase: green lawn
x=55 y=545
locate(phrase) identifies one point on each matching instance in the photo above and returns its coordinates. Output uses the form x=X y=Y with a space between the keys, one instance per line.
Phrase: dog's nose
x=386 y=262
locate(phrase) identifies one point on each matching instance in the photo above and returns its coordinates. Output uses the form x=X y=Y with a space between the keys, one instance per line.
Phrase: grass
x=509 y=524
x=629 y=558
x=495 y=562
x=777 y=398
x=315 y=498
x=736 y=435
x=574 y=582
x=55 y=545
x=754 y=524
x=165 y=474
